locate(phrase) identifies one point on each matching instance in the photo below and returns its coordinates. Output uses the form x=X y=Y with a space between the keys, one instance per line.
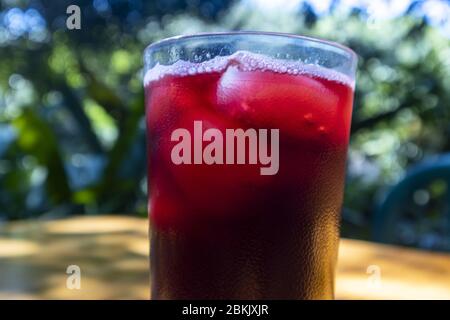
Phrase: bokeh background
x=72 y=135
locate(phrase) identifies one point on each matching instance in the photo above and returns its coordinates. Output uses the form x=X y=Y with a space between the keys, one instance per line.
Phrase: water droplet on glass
x=322 y=130
x=308 y=118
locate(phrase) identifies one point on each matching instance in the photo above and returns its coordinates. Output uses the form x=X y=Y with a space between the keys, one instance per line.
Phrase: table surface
x=112 y=253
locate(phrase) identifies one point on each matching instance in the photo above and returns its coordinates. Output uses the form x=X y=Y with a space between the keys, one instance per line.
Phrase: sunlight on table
x=112 y=253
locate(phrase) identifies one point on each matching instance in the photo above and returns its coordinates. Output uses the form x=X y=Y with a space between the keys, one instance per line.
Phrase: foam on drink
x=245 y=61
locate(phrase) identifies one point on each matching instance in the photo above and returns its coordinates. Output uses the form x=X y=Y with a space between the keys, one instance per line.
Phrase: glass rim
x=169 y=40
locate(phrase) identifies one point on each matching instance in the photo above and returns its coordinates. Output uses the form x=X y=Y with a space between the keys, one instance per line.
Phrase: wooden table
x=112 y=253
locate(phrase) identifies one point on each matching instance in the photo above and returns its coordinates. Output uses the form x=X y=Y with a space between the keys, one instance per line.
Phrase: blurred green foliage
x=72 y=103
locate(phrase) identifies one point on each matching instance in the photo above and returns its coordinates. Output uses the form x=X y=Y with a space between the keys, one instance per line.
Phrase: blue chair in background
x=416 y=211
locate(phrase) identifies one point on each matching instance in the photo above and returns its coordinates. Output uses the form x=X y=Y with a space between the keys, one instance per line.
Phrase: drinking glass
x=247 y=143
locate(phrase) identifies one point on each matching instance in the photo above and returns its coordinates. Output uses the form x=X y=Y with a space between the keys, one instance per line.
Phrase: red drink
x=225 y=231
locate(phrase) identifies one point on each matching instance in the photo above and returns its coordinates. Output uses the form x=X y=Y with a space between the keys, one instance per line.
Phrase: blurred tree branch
x=373 y=121
x=103 y=95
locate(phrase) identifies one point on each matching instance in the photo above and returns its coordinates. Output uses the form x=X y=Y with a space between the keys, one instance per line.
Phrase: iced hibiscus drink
x=225 y=230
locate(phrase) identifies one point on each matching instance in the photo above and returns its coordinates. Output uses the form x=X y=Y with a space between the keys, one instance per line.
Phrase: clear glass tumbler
x=247 y=144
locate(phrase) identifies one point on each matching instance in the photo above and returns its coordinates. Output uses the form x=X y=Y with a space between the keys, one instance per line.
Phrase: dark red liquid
x=226 y=231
